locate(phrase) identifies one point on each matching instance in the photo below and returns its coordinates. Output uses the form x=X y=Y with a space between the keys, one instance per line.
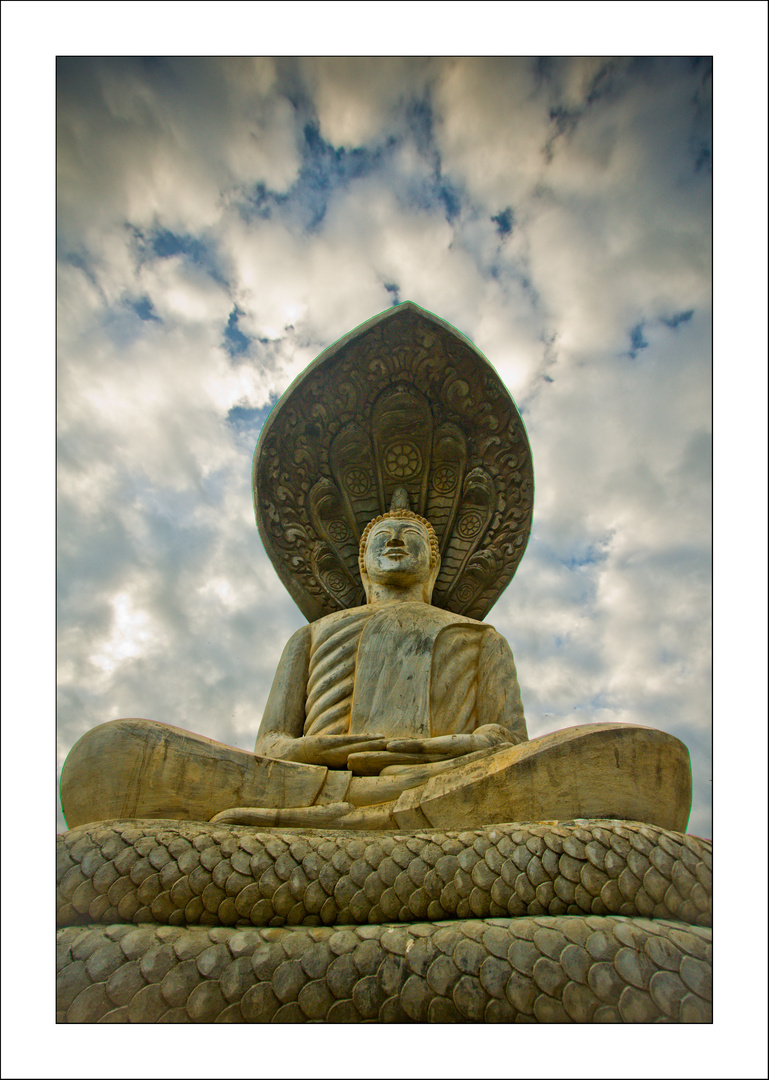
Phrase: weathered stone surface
x=368 y=981
x=100 y=780
x=507 y=783
x=370 y=903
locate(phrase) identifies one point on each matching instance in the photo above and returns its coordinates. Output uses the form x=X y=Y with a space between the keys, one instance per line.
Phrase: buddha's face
x=398 y=553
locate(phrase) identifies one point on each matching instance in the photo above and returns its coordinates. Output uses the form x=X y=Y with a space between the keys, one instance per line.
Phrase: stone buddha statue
x=393 y=492
x=395 y=682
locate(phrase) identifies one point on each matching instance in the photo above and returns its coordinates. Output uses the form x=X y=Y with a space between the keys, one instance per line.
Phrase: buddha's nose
x=395 y=541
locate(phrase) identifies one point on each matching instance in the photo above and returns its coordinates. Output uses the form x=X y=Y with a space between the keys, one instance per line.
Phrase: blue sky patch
x=504 y=221
x=674 y=321
x=143 y=308
x=325 y=171
x=162 y=243
x=602 y=84
x=419 y=117
x=235 y=341
x=585 y=556
x=564 y=119
x=451 y=199
x=262 y=202
x=79 y=260
x=245 y=419
x=166 y=244
x=703 y=159
x=637 y=340
x=126 y=321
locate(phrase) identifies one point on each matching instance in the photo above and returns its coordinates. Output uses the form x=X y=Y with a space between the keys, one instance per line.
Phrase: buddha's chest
x=401 y=672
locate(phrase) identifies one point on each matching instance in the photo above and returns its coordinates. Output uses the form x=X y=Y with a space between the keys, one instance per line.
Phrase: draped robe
x=400 y=670
x=391 y=670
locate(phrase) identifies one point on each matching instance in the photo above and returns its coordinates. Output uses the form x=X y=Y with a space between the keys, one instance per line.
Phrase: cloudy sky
x=220 y=222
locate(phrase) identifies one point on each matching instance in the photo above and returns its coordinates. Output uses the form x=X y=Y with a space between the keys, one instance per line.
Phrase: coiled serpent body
x=579 y=921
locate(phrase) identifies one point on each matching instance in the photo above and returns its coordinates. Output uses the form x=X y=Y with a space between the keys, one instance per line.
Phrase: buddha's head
x=399 y=549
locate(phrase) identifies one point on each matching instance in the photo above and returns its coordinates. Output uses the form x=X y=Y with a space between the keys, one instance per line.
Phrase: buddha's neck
x=380 y=594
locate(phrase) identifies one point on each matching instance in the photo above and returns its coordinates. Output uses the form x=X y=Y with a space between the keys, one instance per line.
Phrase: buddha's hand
x=451 y=746
x=329 y=750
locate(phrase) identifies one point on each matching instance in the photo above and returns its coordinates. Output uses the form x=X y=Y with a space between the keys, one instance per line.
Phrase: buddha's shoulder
x=343 y=616
x=452 y=619
x=413 y=609
x=327 y=624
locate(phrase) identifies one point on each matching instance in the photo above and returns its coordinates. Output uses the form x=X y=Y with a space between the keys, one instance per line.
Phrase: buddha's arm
x=283 y=718
x=281 y=732
x=499 y=695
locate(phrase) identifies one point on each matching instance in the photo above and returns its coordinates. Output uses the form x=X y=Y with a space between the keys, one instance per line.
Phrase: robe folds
x=401 y=671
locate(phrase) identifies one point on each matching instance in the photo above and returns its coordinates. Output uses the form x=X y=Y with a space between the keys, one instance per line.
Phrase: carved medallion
x=403 y=401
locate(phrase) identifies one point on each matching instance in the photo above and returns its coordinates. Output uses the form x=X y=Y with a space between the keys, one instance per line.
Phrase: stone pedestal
x=586 y=921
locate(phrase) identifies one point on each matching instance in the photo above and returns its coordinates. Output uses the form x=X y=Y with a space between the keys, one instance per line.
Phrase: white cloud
x=357 y=98
x=493 y=124
x=167 y=140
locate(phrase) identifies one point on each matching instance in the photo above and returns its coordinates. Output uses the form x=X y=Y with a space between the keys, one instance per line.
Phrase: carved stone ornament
x=403 y=401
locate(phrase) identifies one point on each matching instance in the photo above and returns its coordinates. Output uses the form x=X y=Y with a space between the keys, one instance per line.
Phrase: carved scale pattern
x=183 y=873
x=404 y=401
x=544 y=969
x=188 y=922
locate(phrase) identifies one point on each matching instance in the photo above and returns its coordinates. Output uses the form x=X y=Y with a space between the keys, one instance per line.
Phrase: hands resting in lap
x=369 y=754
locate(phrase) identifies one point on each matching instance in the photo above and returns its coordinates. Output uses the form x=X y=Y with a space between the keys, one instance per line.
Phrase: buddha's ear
x=366 y=583
x=430 y=583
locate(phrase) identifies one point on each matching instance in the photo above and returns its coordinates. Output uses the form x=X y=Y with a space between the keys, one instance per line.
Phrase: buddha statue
x=393 y=492
x=396 y=682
